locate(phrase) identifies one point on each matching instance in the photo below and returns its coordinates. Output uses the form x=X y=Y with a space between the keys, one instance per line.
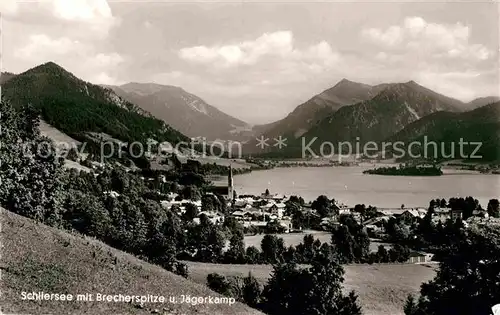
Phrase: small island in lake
x=406 y=170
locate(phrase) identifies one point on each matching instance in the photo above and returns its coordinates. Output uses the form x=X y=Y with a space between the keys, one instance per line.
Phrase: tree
x=298 y=220
x=323 y=206
x=307 y=250
x=343 y=243
x=275 y=227
x=86 y=214
x=468 y=276
x=313 y=290
x=72 y=155
x=272 y=248
x=253 y=255
x=382 y=254
x=219 y=284
x=296 y=200
x=30 y=170
x=360 y=208
x=399 y=253
x=191 y=212
x=251 y=291
x=410 y=306
x=236 y=252
x=181 y=269
x=206 y=240
x=190 y=193
x=443 y=203
x=350 y=240
x=494 y=208
x=210 y=202
x=467 y=205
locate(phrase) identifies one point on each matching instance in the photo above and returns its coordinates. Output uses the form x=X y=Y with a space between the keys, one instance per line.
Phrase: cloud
x=104 y=78
x=454 y=83
x=89 y=19
x=82 y=10
x=40 y=48
x=95 y=14
x=72 y=33
x=432 y=39
x=9 y=7
x=390 y=37
x=278 y=44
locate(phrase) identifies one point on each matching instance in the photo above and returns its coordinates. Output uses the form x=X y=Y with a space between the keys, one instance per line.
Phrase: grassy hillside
x=382 y=289
x=36 y=258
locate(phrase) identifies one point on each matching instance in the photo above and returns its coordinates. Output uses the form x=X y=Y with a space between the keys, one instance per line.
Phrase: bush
x=219 y=284
x=251 y=291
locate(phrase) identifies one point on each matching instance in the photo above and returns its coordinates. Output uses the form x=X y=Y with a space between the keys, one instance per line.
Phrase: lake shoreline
x=350 y=186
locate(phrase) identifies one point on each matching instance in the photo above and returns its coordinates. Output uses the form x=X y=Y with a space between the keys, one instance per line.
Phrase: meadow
x=382 y=288
x=294 y=239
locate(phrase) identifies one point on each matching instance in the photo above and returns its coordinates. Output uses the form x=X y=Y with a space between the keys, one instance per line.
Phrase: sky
x=254 y=60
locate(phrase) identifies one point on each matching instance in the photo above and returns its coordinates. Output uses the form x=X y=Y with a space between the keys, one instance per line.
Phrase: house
x=327 y=223
x=214 y=217
x=386 y=213
x=440 y=218
x=241 y=203
x=344 y=211
x=419 y=258
x=372 y=229
x=275 y=209
x=439 y=210
x=357 y=217
x=482 y=221
x=480 y=213
x=238 y=214
x=287 y=224
x=278 y=197
x=411 y=214
x=377 y=221
x=112 y=194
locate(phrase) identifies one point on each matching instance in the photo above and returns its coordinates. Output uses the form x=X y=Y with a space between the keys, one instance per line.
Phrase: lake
x=350 y=186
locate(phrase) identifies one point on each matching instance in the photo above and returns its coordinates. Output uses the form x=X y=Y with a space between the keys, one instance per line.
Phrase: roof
x=419 y=254
x=414 y=213
x=239 y=213
x=221 y=190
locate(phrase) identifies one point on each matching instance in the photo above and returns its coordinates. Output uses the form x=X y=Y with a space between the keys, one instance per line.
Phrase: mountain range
x=349 y=111
x=184 y=111
x=78 y=108
x=319 y=106
x=376 y=113
x=447 y=129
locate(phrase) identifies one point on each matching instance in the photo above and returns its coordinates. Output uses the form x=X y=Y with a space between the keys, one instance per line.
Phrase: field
x=294 y=239
x=57 y=136
x=38 y=258
x=382 y=289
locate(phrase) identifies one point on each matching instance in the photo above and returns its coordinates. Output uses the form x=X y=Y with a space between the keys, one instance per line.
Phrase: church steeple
x=230 y=189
